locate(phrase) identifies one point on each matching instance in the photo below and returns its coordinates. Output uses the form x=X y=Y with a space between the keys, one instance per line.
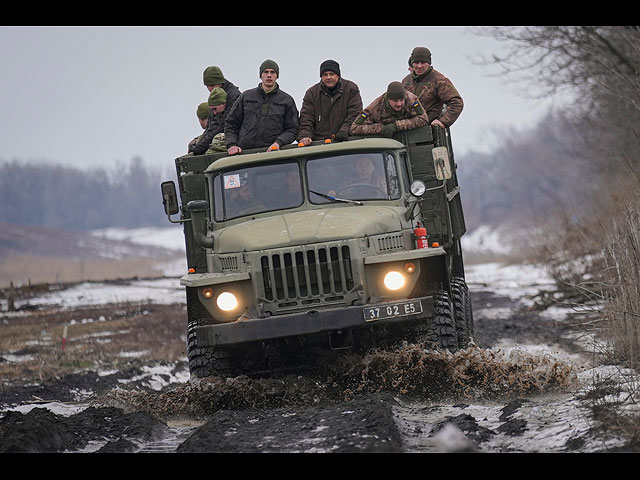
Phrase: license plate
x=392 y=310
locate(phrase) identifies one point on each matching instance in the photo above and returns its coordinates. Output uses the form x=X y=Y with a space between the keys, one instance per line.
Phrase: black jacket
x=259 y=119
x=215 y=124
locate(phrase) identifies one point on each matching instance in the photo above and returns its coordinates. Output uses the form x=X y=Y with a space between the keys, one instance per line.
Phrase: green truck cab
x=331 y=246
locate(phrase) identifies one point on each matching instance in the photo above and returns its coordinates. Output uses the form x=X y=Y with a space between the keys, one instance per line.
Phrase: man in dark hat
x=213 y=78
x=395 y=110
x=329 y=107
x=437 y=94
x=264 y=116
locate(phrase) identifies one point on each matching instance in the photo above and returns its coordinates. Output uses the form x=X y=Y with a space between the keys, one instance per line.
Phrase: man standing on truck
x=264 y=116
x=329 y=107
x=437 y=94
x=395 y=110
x=213 y=78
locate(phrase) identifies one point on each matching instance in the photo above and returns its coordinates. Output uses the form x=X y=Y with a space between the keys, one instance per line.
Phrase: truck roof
x=290 y=152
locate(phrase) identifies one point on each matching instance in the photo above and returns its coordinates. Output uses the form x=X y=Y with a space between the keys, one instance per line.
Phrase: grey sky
x=90 y=96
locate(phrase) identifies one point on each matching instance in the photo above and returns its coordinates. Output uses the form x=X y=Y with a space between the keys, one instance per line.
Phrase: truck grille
x=390 y=242
x=307 y=275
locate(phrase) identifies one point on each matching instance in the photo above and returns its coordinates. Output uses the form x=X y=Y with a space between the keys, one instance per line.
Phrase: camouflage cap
x=420 y=54
x=212 y=76
x=217 y=97
x=203 y=111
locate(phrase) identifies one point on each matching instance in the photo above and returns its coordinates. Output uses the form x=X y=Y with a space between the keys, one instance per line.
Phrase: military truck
x=309 y=251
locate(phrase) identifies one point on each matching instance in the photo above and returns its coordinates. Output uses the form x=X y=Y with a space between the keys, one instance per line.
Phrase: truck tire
x=440 y=331
x=463 y=311
x=206 y=361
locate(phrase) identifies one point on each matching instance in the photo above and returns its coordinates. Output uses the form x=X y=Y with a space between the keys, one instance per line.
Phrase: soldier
x=395 y=110
x=213 y=78
x=202 y=114
x=329 y=107
x=437 y=94
x=217 y=105
x=264 y=116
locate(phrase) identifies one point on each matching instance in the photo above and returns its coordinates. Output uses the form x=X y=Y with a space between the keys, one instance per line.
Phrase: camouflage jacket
x=436 y=91
x=378 y=114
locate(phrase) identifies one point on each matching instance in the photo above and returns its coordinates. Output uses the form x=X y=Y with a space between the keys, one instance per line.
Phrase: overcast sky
x=96 y=96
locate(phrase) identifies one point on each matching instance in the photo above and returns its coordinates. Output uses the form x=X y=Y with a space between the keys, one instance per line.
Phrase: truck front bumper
x=313 y=322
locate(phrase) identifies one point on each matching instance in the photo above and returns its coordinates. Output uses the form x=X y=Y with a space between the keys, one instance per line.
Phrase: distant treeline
x=529 y=174
x=75 y=199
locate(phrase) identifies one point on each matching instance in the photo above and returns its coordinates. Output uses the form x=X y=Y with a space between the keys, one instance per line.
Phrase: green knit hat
x=269 y=64
x=212 y=76
x=217 y=97
x=203 y=111
x=395 y=91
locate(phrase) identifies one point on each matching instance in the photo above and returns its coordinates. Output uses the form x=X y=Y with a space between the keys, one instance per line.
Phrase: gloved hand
x=389 y=129
x=342 y=136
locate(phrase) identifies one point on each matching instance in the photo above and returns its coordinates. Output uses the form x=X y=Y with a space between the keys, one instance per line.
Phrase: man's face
x=211 y=87
x=268 y=77
x=420 y=67
x=397 y=105
x=218 y=109
x=329 y=79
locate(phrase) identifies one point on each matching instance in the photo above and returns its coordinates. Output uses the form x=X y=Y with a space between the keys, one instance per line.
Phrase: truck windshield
x=252 y=190
x=361 y=176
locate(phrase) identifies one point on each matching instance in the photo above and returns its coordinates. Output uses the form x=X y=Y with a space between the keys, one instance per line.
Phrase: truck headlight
x=227 y=301
x=394 y=280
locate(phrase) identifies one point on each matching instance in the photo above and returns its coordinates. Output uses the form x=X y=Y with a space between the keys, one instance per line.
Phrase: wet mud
x=401 y=400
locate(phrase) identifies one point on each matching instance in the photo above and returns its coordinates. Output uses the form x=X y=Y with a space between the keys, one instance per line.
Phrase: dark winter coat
x=259 y=119
x=325 y=113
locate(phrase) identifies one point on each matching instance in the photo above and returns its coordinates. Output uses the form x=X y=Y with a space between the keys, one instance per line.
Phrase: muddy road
x=113 y=378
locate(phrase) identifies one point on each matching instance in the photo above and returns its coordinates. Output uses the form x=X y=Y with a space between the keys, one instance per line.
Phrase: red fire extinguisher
x=421 y=237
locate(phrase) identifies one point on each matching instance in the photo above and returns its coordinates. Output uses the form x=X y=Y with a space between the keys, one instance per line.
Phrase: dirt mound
x=41 y=431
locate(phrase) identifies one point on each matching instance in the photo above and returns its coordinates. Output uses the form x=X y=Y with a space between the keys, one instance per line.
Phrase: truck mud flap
x=311 y=322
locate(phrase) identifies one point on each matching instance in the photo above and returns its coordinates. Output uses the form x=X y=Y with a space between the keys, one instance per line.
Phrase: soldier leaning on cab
x=213 y=78
x=395 y=110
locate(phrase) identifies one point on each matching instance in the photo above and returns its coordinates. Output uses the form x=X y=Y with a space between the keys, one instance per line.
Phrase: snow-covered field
x=515 y=281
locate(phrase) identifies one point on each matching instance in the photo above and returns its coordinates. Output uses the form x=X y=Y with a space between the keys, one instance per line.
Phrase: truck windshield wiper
x=336 y=199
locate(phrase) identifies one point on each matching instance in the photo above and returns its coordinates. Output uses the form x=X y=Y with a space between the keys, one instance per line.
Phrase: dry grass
x=622 y=295
x=27 y=270
x=100 y=338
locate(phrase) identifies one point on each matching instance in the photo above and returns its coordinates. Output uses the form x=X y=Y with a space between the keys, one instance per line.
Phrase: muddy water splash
x=471 y=374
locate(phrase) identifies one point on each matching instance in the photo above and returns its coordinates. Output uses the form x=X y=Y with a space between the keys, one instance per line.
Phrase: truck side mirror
x=169 y=198
x=441 y=163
